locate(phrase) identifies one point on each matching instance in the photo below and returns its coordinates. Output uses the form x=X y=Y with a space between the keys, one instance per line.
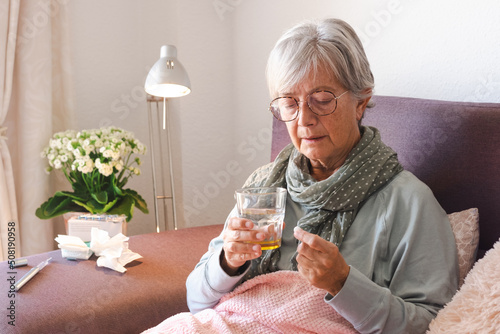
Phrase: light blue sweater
x=402 y=257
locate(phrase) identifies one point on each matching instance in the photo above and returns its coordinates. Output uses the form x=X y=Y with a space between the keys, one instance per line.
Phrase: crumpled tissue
x=113 y=252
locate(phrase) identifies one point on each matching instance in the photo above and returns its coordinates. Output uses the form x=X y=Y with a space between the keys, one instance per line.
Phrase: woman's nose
x=305 y=117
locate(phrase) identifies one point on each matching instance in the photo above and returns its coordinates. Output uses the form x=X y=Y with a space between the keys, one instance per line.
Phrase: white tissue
x=73 y=247
x=113 y=252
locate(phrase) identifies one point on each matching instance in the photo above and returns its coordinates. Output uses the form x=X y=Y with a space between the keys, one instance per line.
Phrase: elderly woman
x=357 y=225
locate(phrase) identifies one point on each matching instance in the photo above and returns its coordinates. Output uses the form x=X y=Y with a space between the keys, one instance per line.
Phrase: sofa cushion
x=475 y=308
x=465 y=226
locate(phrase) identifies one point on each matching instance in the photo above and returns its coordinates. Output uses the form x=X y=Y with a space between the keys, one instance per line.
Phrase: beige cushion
x=465 y=226
x=476 y=307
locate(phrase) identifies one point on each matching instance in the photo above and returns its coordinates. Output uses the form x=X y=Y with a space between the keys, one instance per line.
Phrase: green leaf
x=55 y=206
x=86 y=206
x=117 y=190
x=124 y=207
x=56 y=203
x=92 y=206
x=140 y=203
x=78 y=187
x=114 y=187
x=101 y=197
x=109 y=205
x=77 y=196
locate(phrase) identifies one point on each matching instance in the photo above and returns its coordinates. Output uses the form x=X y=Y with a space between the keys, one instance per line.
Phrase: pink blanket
x=280 y=302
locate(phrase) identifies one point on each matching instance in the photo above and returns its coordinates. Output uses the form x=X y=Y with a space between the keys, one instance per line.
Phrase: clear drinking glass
x=265 y=207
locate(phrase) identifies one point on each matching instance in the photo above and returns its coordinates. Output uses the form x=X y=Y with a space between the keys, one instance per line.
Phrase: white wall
x=114 y=45
x=445 y=50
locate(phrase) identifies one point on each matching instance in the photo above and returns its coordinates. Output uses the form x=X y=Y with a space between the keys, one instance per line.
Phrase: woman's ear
x=361 y=106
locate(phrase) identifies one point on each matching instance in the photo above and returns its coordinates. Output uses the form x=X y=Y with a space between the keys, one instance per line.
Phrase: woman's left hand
x=320 y=262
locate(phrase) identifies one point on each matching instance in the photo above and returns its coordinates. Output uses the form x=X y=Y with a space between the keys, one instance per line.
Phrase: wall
x=438 y=50
x=445 y=50
x=114 y=44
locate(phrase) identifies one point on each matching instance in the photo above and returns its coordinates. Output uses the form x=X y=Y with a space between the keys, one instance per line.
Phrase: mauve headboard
x=454 y=147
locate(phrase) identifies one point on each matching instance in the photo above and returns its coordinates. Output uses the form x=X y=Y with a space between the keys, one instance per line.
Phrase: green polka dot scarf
x=330 y=205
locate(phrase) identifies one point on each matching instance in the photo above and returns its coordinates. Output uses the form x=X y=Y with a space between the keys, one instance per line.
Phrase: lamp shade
x=167 y=77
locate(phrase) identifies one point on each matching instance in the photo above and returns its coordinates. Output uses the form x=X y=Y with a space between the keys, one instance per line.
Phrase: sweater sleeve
x=410 y=270
x=208 y=282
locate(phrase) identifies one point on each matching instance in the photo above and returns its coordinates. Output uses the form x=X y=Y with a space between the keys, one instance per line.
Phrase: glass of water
x=265 y=207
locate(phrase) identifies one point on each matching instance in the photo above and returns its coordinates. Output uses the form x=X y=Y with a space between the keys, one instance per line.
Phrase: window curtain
x=9 y=12
x=37 y=101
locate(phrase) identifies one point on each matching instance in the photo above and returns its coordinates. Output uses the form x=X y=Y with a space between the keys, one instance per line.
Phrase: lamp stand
x=153 y=117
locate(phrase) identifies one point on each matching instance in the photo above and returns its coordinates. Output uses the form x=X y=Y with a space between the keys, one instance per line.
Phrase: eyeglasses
x=322 y=103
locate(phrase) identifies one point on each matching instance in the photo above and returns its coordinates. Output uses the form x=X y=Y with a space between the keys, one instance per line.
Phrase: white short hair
x=330 y=45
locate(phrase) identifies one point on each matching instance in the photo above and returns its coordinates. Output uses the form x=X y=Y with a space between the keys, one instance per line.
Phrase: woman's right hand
x=238 y=247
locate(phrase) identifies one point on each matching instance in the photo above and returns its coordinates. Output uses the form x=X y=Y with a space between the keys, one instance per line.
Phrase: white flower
x=84 y=165
x=76 y=153
x=53 y=143
x=57 y=164
x=115 y=155
x=107 y=153
x=105 y=169
x=141 y=148
x=88 y=149
x=109 y=148
x=87 y=167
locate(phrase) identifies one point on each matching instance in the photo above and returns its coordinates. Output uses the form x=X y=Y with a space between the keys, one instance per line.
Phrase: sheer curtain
x=9 y=14
x=40 y=104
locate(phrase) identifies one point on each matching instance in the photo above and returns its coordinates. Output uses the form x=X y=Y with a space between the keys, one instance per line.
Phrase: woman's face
x=325 y=140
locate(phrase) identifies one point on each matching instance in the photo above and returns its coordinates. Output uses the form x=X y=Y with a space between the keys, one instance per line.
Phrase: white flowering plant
x=98 y=163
